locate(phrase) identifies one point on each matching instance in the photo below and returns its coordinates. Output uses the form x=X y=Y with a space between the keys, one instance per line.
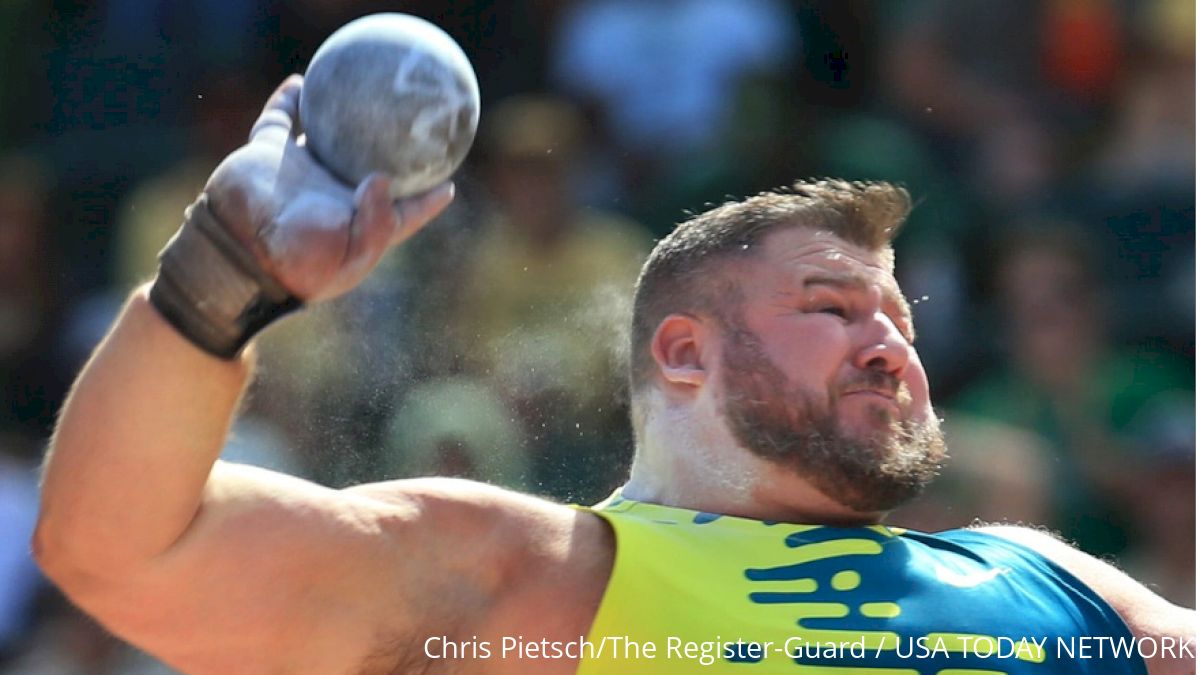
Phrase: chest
x=828 y=599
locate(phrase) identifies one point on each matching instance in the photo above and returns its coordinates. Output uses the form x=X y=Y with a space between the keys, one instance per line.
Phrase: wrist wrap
x=211 y=288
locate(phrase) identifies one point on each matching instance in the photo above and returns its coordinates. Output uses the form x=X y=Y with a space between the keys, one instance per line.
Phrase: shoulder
x=1146 y=614
x=515 y=530
x=542 y=567
x=468 y=500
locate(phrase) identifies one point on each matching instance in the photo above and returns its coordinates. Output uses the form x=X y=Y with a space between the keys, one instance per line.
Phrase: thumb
x=281 y=110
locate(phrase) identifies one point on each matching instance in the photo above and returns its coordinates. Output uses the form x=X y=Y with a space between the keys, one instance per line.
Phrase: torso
x=825 y=600
x=700 y=577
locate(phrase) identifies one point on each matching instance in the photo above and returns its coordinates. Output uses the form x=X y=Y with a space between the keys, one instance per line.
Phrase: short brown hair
x=678 y=276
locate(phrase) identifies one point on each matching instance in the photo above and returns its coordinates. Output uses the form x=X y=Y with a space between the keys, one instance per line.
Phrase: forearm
x=134 y=445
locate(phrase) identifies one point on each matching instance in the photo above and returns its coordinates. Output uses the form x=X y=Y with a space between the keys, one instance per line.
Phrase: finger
x=280 y=112
x=416 y=212
x=373 y=224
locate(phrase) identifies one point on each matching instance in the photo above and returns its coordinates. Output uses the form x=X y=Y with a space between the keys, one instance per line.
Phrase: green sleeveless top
x=694 y=592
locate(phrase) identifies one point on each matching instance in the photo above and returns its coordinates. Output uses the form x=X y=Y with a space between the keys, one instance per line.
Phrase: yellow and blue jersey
x=695 y=592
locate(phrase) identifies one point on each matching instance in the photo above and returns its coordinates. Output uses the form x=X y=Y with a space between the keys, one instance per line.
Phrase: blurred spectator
x=1154 y=131
x=543 y=303
x=305 y=411
x=964 y=67
x=1007 y=89
x=660 y=80
x=457 y=427
x=1163 y=499
x=664 y=72
x=540 y=305
x=1142 y=185
x=764 y=142
x=1064 y=381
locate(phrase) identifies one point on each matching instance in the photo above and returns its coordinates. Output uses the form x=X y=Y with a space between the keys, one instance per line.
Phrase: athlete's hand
x=312 y=233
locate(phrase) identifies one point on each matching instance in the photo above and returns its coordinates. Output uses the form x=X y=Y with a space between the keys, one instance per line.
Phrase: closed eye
x=834 y=310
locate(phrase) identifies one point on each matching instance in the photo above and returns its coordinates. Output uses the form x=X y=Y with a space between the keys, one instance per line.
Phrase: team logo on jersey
x=967 y=579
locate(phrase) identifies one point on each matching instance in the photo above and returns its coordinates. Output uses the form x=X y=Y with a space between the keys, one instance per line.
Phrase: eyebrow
x=856 y=282
x=845 y=281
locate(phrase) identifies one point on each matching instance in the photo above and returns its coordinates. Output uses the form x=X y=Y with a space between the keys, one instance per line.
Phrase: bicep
x=285 y=574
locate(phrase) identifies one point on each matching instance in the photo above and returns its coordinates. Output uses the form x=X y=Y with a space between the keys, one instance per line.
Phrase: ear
x=679 y=345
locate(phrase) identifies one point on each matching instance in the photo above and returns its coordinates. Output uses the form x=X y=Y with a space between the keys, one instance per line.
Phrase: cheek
x=811 y=351
x=917 y=383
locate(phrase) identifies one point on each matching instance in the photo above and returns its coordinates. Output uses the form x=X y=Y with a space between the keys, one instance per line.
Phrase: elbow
x=47 y=552
x=54 y=555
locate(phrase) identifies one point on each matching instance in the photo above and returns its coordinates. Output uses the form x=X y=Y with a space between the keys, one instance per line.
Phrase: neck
x=687 y=458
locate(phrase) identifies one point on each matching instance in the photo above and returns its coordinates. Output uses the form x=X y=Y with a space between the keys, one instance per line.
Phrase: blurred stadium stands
x=1051 y=257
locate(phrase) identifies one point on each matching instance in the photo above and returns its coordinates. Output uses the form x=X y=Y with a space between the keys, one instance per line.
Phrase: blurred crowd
x=1049 y=145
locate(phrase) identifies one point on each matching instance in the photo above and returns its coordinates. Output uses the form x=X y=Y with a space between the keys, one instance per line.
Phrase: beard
x=778 y=422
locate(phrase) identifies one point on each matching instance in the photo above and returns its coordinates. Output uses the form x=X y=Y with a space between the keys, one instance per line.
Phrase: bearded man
x=780 y=411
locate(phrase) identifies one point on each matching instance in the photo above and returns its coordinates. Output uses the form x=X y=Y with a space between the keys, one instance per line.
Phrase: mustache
x=873 y=379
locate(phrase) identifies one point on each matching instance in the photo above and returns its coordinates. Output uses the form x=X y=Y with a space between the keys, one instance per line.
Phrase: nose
x=883 y=347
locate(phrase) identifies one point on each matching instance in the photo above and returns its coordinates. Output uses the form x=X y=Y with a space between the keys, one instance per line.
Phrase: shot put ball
x=393 y=93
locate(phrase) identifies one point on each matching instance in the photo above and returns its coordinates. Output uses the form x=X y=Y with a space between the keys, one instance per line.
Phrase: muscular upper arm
x=280 y=575
x=1146 y=614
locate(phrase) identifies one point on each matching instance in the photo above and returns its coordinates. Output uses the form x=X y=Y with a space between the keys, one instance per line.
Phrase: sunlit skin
x=825 y=311
x=828 y=315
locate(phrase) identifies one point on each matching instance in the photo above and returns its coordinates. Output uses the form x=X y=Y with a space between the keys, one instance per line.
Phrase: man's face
x=819 y=373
